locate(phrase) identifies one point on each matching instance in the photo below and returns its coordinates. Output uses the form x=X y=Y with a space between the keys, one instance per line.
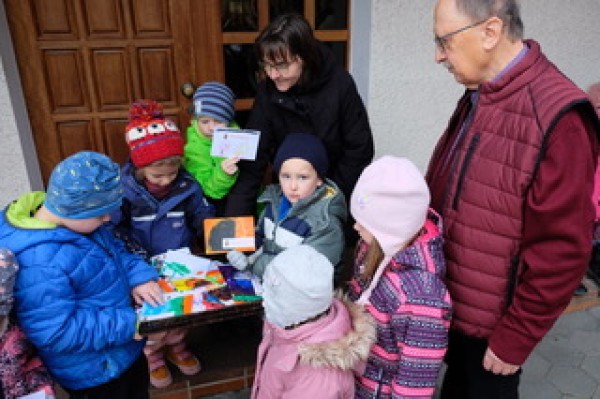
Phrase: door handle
x=187 y=89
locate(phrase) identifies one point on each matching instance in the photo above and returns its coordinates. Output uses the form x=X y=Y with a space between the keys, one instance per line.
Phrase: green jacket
x=205 y=168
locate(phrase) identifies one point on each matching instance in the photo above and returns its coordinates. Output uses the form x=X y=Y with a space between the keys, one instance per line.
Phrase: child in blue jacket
x=164 y=208
x=73 y=290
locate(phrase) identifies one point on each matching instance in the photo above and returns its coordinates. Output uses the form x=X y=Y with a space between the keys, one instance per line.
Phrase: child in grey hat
x=21 y=371
x=73 y=294
x=313 y=342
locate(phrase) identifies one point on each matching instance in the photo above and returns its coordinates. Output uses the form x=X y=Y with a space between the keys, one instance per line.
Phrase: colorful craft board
x=194 y=284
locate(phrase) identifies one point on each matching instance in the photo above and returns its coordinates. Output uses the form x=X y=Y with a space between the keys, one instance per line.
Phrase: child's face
x=363 y=233
x=298 y=179
x=85 y=226
x=162 y=175
x=206 y=125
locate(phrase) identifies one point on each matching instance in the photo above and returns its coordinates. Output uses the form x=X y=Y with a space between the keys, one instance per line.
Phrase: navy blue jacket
x=168 y=223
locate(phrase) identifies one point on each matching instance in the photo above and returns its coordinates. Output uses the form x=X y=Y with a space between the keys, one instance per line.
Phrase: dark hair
x=507 y=10
x=290 y=34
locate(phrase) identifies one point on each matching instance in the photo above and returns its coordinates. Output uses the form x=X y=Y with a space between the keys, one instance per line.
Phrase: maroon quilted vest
x=488 y=182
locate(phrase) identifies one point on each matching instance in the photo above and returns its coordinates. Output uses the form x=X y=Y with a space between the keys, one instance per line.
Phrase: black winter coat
x=329 y=107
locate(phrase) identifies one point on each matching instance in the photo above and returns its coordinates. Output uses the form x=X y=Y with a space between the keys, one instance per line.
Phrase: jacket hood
x=17 y=223
x=328 y=64
x=347 y=352
x=20 y=212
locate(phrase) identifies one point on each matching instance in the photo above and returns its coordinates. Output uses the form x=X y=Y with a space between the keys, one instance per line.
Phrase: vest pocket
x=463 y=169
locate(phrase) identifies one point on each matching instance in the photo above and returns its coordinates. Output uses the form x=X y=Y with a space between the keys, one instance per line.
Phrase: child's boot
x=160 y=376
x=183 y=359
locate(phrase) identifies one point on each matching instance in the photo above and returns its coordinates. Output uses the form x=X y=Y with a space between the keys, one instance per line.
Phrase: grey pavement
x=565 y=365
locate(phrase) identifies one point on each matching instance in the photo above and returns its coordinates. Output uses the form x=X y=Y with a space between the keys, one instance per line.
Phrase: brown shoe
x=160 y=376
x=183 y=359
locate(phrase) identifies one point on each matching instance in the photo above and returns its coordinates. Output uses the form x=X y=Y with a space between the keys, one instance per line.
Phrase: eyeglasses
x=441 y=42
x=281 y=67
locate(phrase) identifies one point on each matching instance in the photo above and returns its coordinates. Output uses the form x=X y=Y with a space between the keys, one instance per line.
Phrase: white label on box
x=240 y=242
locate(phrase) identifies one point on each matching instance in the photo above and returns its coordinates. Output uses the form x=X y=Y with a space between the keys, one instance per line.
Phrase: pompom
x=145 y=110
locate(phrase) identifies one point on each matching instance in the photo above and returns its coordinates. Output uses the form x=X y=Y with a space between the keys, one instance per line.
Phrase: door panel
x=83 y=62
x=112 y=78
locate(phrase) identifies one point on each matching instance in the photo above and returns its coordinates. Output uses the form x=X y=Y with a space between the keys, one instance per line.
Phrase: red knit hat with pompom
x=149 y=135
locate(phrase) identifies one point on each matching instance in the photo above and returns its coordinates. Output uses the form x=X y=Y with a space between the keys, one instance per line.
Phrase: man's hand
x=148 y=292
x=492 y=363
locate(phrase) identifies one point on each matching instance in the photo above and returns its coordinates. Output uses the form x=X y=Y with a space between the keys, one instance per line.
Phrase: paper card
x=229 y=233
x=230 y=143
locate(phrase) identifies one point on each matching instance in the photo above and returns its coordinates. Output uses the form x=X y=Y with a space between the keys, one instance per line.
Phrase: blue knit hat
x=83 y=186
x=214 y=99
x=304 y=146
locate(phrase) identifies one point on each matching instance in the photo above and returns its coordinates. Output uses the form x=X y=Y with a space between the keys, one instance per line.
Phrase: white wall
x=19 y=170
x=410 y=97
x=13 y=174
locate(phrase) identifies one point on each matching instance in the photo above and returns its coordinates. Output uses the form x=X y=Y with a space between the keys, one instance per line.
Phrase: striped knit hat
x=214 y=99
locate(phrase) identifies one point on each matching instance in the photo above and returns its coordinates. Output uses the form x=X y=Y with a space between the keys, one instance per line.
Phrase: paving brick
x=572 y=381
x=536 y=366
x=533 y=387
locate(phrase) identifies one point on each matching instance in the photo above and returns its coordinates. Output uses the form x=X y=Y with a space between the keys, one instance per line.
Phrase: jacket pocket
x=463 y=169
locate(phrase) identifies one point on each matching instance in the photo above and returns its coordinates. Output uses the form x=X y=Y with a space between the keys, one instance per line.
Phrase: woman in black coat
x=303 y=90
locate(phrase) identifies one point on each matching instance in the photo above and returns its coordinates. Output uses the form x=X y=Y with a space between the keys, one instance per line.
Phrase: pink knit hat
x=391 y=200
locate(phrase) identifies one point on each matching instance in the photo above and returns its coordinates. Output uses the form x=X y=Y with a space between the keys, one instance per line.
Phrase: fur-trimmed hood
x=349 y=350
x=318 y=359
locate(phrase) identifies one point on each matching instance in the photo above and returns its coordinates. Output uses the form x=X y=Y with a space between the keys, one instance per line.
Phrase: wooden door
x=83 y=62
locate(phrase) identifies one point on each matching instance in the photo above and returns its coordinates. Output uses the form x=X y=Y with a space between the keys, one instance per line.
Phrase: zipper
x=463 y=169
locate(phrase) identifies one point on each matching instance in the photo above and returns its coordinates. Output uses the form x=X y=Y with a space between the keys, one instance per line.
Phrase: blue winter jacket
x=73 y=295
x=158 y=225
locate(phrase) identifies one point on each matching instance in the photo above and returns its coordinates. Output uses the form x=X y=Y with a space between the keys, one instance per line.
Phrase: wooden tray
x=201 y=318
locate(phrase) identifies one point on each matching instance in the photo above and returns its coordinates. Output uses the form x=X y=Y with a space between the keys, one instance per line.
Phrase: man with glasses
x=512 y=177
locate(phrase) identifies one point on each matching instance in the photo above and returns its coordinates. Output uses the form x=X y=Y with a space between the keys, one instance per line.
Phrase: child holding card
x=304 y=208
x=213 y=107
x=164 y=208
